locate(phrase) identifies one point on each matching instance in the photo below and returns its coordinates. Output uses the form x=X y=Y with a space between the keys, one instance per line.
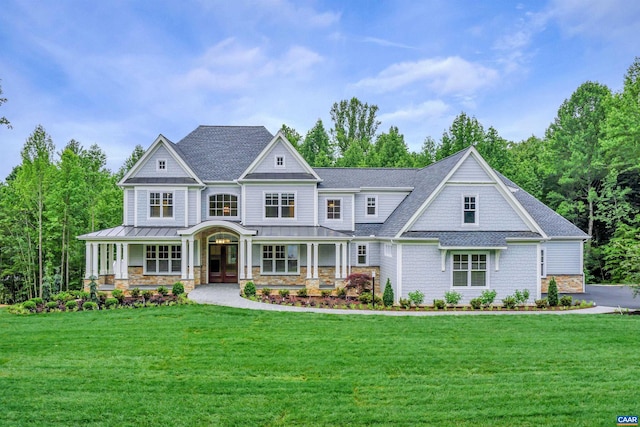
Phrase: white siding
x=131 y=208
x=387 y=203
x=346 y=220
x=255 y=204
x=373 y=254
x=563 y=257
x=217 y=189
x=149 y=168
x=494 y=212
x=470 y=171
x=268 y=164
x=388 y=269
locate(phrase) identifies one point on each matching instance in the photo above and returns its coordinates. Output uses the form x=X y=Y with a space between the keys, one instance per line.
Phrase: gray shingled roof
x=151 y=180
x=293 y=231
x=479 y=239
x=222 y=153
x=553 y=224
x=365 y=177
x=277 y=176
x=425 y=182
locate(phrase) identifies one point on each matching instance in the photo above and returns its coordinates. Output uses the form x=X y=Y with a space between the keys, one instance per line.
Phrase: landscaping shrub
x=178 y=288
x=147 y=294
x=341 y=293
x=52 y=305
x=183 y=299
x=509 y=301
x=110 y=302
x=37 y=301
x=266 y=292
x=359 y=281
x=552 y=292
x=303 y=292
x=476 y=303
x=542 y=303
x=71 y=305
x=416 y=297
x=439 y=304
x=102 y=297
x=162 y=290
x=83 y=295
x=135 y=292
x=487 y=297
x=325 y=293
x=377 y=300
x=118 y=294
x=63 y=296
x=404 y=303
x=283 y=293
x=29 y=305
x=387 y=297
x=452 y=298
x=365 y=298
x=249 y=289
x=566 y=301
x=521 y=296
x=89 y=305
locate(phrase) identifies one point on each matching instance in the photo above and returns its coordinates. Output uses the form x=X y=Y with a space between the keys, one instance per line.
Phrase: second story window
x=279 y=161
x=333 y=209
x=280 y=205
x=470 y=210
x=223 y=205
x=372 y=206
x=160 y=205
x=162 y=165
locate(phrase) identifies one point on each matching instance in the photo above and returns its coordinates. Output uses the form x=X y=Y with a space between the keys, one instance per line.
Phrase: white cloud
x=610 y=19
x=425 y=111
x=514 y=46
x=386 y=43
x=452 y=75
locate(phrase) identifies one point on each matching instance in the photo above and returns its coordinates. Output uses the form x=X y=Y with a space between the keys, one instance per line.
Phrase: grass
x=206 y=365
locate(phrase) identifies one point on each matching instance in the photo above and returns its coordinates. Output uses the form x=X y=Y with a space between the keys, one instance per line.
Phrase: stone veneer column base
x=567 y=283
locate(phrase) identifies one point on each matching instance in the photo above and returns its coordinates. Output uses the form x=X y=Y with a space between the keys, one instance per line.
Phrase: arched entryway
x=223 y=258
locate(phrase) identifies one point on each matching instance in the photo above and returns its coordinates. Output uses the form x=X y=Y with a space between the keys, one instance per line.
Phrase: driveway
x=228 y=295
x=609 y=296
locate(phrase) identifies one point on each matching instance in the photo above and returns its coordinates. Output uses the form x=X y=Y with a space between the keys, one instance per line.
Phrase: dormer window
x=161 y=165
x=279 y=161
x=469 y=210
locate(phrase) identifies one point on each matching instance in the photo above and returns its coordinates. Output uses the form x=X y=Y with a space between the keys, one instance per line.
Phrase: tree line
x=585 y=167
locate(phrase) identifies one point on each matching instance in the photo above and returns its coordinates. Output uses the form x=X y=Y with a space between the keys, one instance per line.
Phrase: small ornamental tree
x=387 y=296
x=250 y=289
x=359 y=281
x=552 y=293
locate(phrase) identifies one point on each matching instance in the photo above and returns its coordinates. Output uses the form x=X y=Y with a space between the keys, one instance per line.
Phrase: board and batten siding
x=178 y=208
x=150 y=168
x=470 y=171
x=211 y=190
x=563 y=257
x=386 y=204
x=268 y=163
x=422 y=270
x=494 y=213
x=254 y=210
x=346 y=212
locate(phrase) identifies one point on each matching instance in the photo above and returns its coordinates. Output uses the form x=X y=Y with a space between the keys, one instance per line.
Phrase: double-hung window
x=160 y=205
x=333 y=209
x=362 y=255
x=470 y=270
x=280 y=205
x=543 y=262
x=469 y=210
x=223 y=205
x=163 y=259
x=280 y=259
x=372 y=205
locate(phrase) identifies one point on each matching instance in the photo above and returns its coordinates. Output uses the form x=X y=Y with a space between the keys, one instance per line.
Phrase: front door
x=223 y=263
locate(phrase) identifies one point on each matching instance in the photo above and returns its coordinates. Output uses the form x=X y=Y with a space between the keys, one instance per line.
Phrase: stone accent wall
x=367 y=270
x=567 y=284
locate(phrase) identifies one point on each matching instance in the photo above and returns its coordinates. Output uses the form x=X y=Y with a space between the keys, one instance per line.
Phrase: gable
x=279 y=153
x=149 y=168
x=470 y=171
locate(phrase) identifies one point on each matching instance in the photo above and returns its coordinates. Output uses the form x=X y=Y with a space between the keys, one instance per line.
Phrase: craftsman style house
x=235 y=204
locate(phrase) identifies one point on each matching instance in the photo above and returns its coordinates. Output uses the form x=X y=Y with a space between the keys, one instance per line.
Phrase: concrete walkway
x=228 y=295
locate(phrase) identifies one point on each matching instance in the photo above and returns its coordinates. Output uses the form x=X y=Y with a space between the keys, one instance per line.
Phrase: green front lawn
x=206 y=365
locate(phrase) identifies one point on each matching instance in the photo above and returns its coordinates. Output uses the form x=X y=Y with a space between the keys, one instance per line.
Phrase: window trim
x=162 y=194
x=469 y=270
x=164 y=164
x=279 y=205
x=366 y=206
x=278 y=157
x=543 y=262
x=340 y=210
x=476 y=211
x=170 y=259
x=366 y=254
x=273 y=271
x=209 y=215
x=388 y=249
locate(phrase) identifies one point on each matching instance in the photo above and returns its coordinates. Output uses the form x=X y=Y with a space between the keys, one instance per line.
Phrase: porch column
x=118 y=272
x=87 y=260
x=315 y=260
x=183 y=261
x=308 y=260
x=125 y=261
x=344 y=259
x=103 y=258
x=249 y=256
x=337 y=260
x=94 y=259
x=110 y=258
x=241 y=258
x=191 y=257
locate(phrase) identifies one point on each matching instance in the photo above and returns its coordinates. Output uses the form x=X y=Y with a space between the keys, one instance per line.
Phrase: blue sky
x=119 y=73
